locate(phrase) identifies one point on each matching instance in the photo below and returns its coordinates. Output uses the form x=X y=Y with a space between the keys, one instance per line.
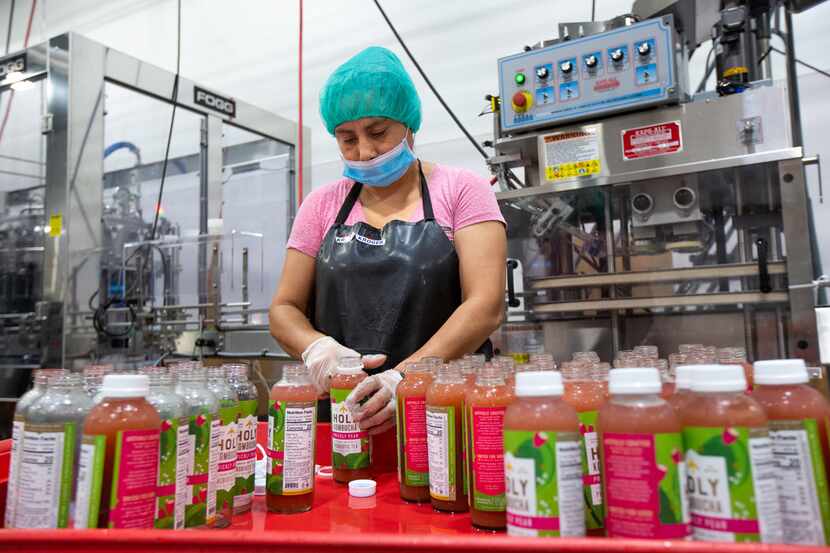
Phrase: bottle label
x=543 y=472
x=134 y=473
x=731 y=484
x=291 y=428
x=442 y=452
x=90 y=479
x=14 y=466
x=487 y=433
x=465 y=447
x=802 y=481
x=413 y=429
x=44 y=488
x=213 y=469
x=245 y=455
x=170 y=493
x=643 y=483
x=198 y=470
x=226 y=463
x=349 y=445
x=591 y=478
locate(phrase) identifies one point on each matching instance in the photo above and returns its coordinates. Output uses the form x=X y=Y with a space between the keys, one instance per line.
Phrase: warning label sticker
x=570 y=154
x=651 y=141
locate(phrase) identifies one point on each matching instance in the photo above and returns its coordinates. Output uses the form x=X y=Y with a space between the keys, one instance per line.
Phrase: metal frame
x=76 y=70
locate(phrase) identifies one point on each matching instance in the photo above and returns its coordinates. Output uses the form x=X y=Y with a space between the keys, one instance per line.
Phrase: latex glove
x=322 y=356
x=372 y=402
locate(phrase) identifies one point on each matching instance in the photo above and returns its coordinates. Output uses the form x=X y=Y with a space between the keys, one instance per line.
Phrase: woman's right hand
x=321 y=358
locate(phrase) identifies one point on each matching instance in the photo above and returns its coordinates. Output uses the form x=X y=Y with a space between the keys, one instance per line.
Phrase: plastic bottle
x=508 y=366
x=350 y=447
x=667 y=378
x=413 y=456
x=542 y=460
x=731 y=472
x=118 y=465
x=543 y=361
x=433 y=362
x=445 y=437
x=586 y=394
x=682 y=388
x=642 y=453
x=174 y=449
x=486 y=404
x=94 y=378
x=40 y=378
x=48 y=462
x=292 y=427
x=737 y=356
x=246 y=444
x=226 y=444
x=798 y=417
x=203 y=432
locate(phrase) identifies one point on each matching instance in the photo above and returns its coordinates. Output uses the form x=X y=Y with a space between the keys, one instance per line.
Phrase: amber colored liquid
x=668 y=390
x=679 y=399
x=413 y=385
x=797 y=402
x=716 y=409
x=344 y=476
x=485 y=396
x=107 y=419
x=747 y=366
x=452 y=395
x=541 y=414
x=300 y=503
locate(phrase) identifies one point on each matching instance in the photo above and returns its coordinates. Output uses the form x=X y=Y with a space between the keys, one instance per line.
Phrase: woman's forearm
x=291 y=329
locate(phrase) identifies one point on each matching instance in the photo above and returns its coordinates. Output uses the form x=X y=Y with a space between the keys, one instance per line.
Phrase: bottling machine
x=651 y=211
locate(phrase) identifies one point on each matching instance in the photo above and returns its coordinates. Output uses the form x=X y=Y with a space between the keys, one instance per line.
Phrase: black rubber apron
x=385 y=290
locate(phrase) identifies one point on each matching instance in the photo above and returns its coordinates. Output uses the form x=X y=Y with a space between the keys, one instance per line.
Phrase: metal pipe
x=245 y=284
x=610 y=262
x=745 y=253
x=792 y=81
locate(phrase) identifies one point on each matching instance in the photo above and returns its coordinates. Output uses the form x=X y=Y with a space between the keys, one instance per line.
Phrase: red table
x=338 y=523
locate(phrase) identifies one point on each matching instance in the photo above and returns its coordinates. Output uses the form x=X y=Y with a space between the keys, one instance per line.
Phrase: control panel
x=619 y=70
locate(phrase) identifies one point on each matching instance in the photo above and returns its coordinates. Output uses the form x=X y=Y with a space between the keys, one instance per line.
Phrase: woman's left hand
x=372 y=402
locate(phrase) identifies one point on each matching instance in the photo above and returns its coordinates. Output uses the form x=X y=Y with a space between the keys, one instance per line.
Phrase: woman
x=399 y=260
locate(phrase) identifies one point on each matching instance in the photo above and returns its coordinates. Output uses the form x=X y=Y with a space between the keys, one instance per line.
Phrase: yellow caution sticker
x=740 y=70
x=571 y=154
x=55 y=225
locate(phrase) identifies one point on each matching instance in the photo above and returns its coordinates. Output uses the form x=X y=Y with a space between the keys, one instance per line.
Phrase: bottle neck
x=637 y=399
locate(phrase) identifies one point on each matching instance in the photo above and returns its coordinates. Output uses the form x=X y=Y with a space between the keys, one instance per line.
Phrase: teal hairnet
x=373 y=83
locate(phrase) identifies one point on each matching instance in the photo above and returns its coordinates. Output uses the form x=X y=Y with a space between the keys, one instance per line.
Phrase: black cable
x=804 y=63
x=709 y=67
x=593 y=10
x=9 y=31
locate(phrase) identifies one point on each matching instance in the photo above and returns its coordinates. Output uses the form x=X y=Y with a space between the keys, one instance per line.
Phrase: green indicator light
x=520 y=78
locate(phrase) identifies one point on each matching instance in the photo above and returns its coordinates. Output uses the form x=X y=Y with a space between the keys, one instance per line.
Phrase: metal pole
x=792 y=82
x=609 y=251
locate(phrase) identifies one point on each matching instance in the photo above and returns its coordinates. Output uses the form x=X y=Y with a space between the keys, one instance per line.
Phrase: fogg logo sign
x=16 y=64
x=213 y=101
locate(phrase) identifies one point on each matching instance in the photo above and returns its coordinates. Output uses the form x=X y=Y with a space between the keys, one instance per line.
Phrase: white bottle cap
x=362 y=488
x=683 y=377
x=634 y=381
x=539 y=383
x=823 y=326
x=781 y=371
x=350 y=365
x=125 y=385
x=718 y=378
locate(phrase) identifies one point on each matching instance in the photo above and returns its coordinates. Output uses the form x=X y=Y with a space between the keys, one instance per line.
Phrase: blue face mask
x=382 y=170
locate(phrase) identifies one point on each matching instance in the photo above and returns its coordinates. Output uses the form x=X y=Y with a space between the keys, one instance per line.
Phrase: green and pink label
x=291 y=435
x=487 y=434
x=199 y=465
x=172 y=477
x=591 y=478
x=226 y=463
x=245 y=455
x=349 y=444
x=731 y=484
x=440 y=426
x=643 y=481
x=412 y=431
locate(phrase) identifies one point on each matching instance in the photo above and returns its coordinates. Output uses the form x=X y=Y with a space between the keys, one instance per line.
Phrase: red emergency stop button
x=521 y=102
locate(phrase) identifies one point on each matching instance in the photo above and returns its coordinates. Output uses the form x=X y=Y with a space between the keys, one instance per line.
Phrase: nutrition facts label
x=213 y=468
x=298 y=470
x=766 y=490
x=802 y=519
x=42 y=501
x=184 y=458
x=441 y=452
x=17 y=438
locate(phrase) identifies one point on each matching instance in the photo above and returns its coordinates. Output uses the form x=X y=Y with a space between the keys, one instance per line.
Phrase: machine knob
x=644 y=49
x=591 y=61
x=617 y=55
x=542 y=73
x=566 y=67
x=521 y=101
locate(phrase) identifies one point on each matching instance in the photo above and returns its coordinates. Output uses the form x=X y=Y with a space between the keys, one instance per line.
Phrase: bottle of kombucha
x=247 y=425
x=292 y=426
x=445 y=440
x=413 y=456
x=682 y=388
x=350 y=446
x=486 y=404
x=226 y=444
x=542 y=460
x=737 y=356
x=731 y=485
x=642 y=454
x=586 y=394
x=118 y=465
x=798 y=417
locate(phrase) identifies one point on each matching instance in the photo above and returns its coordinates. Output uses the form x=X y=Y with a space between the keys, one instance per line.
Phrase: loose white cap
x=362 y=488
x=718 y=378
x=683 y=375
x=539 y=383
x=634 y=381
x=781 y=371
x=125 y=385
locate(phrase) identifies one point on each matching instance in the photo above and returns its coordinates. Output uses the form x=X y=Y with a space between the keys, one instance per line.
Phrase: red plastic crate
x=338 y=523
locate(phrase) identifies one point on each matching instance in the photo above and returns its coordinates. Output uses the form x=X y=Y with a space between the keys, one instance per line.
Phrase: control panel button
x=617 y=55
x=521 y=101
x=566 y=67
x=542 y=73
x=591 y=61
x=520 y=78
x=644 y=49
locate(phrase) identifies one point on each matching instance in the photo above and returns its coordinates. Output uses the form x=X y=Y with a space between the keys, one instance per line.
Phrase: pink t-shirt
x=460 y=198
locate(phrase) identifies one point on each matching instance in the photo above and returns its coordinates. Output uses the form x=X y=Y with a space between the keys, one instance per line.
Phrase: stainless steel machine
x=649 y=211
x=97 y=263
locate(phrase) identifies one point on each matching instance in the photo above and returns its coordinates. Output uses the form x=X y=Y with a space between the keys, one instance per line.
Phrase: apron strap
x=428 y=214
